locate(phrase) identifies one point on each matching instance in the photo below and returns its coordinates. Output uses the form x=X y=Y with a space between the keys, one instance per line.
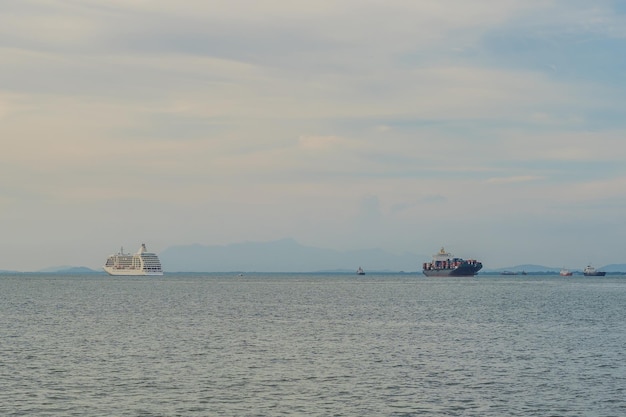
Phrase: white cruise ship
x=141 y=263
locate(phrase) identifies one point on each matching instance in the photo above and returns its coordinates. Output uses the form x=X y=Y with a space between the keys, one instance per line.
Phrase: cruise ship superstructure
x=140 y=263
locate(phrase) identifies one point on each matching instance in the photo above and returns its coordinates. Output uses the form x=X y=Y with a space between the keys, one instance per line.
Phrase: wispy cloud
x=511 y=180
x=267 y=119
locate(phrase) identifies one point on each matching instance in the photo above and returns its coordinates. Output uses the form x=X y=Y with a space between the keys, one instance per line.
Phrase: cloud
x=262 y=118
x=30 y=28
x=424 y=200
x=319 y=143
x=516 y=179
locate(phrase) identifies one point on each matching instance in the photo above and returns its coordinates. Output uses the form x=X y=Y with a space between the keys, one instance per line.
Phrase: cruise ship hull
x=128 y=272
x=465 y=270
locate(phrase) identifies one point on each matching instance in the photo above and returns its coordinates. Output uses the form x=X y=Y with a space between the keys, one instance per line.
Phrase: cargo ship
x=446 y=265
x=141 y=263
x=590 y=271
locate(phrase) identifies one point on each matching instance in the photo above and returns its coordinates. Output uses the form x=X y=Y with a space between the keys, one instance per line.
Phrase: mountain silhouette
x=285 y=255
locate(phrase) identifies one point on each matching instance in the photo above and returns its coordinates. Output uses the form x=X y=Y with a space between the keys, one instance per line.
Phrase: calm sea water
x=312 y=345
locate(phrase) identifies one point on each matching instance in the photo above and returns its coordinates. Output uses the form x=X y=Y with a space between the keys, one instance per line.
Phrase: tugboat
x=446 y=265
x=590 y=271
x=565 y=273
x=360 y=271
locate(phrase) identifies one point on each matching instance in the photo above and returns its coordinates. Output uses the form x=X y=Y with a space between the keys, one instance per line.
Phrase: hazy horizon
x=289 y=256
x=495 y=129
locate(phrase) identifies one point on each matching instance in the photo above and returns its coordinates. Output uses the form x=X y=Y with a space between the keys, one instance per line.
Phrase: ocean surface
x=312 y=345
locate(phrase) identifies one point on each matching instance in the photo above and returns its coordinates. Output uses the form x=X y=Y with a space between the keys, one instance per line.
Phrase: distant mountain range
x=284 y=255
x=65 y=269
x=287 y=255
x=57 y=270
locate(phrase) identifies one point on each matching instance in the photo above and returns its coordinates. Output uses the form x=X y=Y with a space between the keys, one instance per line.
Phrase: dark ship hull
x=590 y=271
x=466 y=269
x=446 y=265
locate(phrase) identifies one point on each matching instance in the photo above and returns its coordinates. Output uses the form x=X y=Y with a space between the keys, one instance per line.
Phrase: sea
x=312 y=345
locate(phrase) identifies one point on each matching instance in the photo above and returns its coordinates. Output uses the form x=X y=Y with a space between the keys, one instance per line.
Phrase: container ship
x=446 y=265
x=140 y=263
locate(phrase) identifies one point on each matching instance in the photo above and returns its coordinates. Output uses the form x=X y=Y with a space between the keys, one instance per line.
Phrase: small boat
x=565 y=273
x=513 y=273
x=590 y=271
x=360 y=271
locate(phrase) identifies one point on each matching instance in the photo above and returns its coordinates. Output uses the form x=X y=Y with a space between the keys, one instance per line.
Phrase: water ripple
x=311 y=345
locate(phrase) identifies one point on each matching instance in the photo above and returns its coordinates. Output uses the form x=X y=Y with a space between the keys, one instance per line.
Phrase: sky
x=495 y=128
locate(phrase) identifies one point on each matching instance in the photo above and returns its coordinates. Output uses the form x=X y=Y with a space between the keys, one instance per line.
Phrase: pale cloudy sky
x=494 y=127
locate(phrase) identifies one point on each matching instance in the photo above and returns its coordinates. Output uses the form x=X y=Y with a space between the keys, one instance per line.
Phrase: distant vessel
x=445 y=265
x=141 y=263
x=590 y=271
x=360 y=271
x=513 y=273
x=565 y=273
